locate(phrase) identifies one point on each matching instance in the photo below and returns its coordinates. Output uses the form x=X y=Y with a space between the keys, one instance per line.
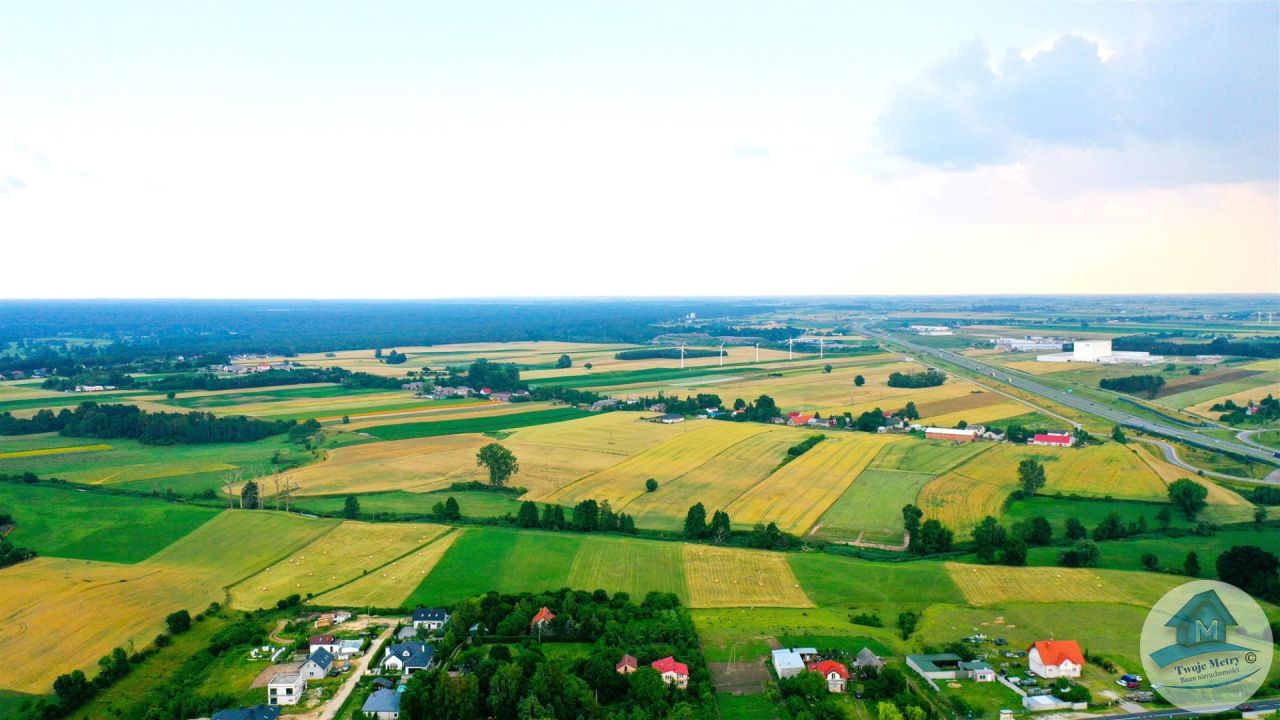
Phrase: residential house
x=788 y=662
x=430 y=618
x=382 y=683
x=286 y=688
x=868 y=659
x=1052 y=439
x=317 y=665
x=673 y=672
x=541 y=620
x=605 y=403
x=797 y=419
x=1055 y=659
x=834 y=672
x=383 y=704
x=626 y=665
x=257 y=712
x=409 y=657
x=413 y=386
x=324 y=642
x=670 y=419
x=500 y=396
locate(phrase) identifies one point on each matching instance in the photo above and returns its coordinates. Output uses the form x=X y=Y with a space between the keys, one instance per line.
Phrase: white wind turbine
x=681 y=356
x=790 y=342
x=722 y=354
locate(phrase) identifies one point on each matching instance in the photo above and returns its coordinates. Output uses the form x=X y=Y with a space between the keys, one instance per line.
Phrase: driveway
x=331 y=708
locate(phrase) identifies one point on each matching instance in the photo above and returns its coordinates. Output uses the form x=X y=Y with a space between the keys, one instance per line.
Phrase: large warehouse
x=1099 y=351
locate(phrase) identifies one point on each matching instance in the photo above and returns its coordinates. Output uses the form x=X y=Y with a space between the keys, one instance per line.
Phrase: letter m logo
x=1212 y=631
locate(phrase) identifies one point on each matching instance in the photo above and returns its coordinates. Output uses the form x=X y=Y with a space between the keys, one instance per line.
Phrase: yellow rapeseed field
x=349 y=551
x=725 y=577
x=391 y=584
x=801 y=491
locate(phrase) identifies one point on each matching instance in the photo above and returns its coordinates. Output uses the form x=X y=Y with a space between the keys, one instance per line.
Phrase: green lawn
x=988 y=699
x=486 y=424
x=837 y=581
x=485 y=559
x=1171 y=552
x=1088 y=511
x=1270 y=438
x=231 y=674
x=473 y=503
x=1222 y=463
x=629 y=565
x=873 y=505
x=64 y=522
x=846 y=643
x=745 y=707
x=926 y=456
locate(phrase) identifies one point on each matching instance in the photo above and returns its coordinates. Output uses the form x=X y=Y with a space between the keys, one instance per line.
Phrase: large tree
x=249 y=497
x=695 y=522
x=500 y=462
x=351 y=508
x=1251 y=569
x=1030 y=476
x=988 y=537
x=1188 y=496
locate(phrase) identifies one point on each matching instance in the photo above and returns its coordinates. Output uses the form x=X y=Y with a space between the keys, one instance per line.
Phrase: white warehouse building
x=1099 y=351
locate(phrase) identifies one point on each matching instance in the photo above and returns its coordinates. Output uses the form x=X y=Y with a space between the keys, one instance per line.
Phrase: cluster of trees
x=563 y=362
x=690 y=405
x=664 y=353
x=1267 y=409
x=1134 y=384
x=804 y=696
x=153 y=428
x=993 y=543
x=719 y=530
x=499 y=377
x=496 y=683
x=925 y=537
x=569 y=396
x=11 y=554
x=928 y=378
x=84 y=376
x=296 y=376
x=586 y=516
x=392 y=358
x=1157 y=345
x=802 y=447
x=1252 y=569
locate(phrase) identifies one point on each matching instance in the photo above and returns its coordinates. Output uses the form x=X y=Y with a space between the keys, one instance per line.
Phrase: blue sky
x=381 y=149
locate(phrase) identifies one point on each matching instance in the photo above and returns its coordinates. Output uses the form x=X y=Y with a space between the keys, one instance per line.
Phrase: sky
x=372 y=149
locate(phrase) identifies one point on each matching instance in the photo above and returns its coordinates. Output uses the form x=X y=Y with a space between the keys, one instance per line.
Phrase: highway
x=1258 y=706
x=1061 y=397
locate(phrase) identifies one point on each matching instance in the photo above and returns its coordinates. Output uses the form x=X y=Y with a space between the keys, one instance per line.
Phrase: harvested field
x=801 y=491
x=871 y=508
x=723 y=577
x=961 y=502
x=969 y=401
x=239 y=543
x=992 y=585
x=418 y=464
x=1225 y=505
x=348 y=551
x=391 y=584
x=1098 y=470
x=992 y=412
x=1237 y=394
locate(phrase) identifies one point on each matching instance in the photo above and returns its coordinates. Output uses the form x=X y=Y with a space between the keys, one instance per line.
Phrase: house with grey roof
x=383 y=704
x=430 y=618
x=868 y=659
x=257 y=712
x=788 y=662
x=317 y=664
x=409 y=657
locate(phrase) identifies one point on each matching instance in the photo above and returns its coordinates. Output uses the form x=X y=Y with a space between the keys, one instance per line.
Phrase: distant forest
x=47 y=331
x=152 y=428
x=1158 y=345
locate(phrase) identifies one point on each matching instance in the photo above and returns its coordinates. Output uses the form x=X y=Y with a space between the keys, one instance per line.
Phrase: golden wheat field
x=666 y=462
x=737 y=468
x=417 y=464
x=801 y=491
x=1225 y=505
x=391 y=584
x=1097 y=470
x=71 y=449
x=236 y=544
x=345 y=553
x=993 y=584
x=1240 y=398
x=724 y=577
x=961 y=502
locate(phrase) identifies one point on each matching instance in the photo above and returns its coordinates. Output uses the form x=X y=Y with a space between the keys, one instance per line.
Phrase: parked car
x=1001 y=641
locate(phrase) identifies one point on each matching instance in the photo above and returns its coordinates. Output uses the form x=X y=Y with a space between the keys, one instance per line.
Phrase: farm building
x=317 y=664
x=323 y=642
x=951 y=434
x=930 y=329
x=978 y=671
x=673 y=672
x=1055 y=659
x=257 y=712
x=1052 y=439
x=350 y=648
x=626 y=665
x=409 y=657
x=868 y=659
x=669 y=419
x=286 y=688
x=430 y=618
x=798 y=419
x=939 y=666
x=1044 y=703
x=383 y=704
x=788 y=662
x=835 y=673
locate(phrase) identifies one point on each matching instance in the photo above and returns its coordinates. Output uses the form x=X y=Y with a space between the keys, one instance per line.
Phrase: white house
x=408 y=657
x=1055 y=659
x=286 y=688
x=673 y=672
x=834 y=672
x=324 y=642
x=316 y=665
x=430 y=618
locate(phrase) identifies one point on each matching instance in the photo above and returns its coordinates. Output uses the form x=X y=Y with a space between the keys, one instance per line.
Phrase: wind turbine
x=757 y=352
x=722 y=354
x=819 y=347
x=790 y=343
x=681 y=356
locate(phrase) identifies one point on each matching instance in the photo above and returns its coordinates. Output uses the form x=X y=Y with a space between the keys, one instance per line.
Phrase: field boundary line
x=451 y=531
x=279 y=559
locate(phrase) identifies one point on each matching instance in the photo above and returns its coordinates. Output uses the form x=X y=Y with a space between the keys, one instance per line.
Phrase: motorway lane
x=1079 y=403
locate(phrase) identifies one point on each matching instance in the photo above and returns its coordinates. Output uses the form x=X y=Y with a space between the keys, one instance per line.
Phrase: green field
x=1171 y=551
x=498 y=559
x=838 y=581
x=238 y=543
x=1203 y=394
x=1088 y=511
x=473 y=503
x=487 y=424
x=745 y=707
x=926 y=456
x=62 y=522
x=872 y=506
x=267 y=395
x=633 y=566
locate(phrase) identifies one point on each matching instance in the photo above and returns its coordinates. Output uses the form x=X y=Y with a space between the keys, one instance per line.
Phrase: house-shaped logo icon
x=1200 y=627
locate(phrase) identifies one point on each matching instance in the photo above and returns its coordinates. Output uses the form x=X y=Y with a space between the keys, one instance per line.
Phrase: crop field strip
x=797 y=495
x=62 y=450
x=391 y=584
x=724 y=577
x=333 y=559
x=1255 y=386
x=1225 y=505
x=633 y=566
x=871 y=507
x=482 y=424
x=987 y=585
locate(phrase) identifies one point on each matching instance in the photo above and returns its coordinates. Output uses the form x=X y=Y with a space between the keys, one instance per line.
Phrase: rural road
x=1103 y=411
x=1260 y=705
x=1171 y=454
x=331 y=708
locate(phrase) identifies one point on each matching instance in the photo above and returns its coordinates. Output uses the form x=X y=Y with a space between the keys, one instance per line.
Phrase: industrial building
x=1030 y=343
x=1099 y=351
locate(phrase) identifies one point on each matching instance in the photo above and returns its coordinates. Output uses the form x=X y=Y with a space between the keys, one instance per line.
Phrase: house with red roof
x=834 y=672
x=1052 y=439
x=626 y=665
x=673 y=673
x=324 y=642
x=1055 y=659
x=798 y=419
x=542 y=619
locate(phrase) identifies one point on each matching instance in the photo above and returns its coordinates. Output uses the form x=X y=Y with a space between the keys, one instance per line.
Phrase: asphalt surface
x=1061 y=397
x=1175 y=713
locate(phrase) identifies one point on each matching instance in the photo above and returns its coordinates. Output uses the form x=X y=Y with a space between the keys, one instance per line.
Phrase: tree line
x=90 y=419
x=1134 y=384
x=1158 y=345
x=928 y=378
